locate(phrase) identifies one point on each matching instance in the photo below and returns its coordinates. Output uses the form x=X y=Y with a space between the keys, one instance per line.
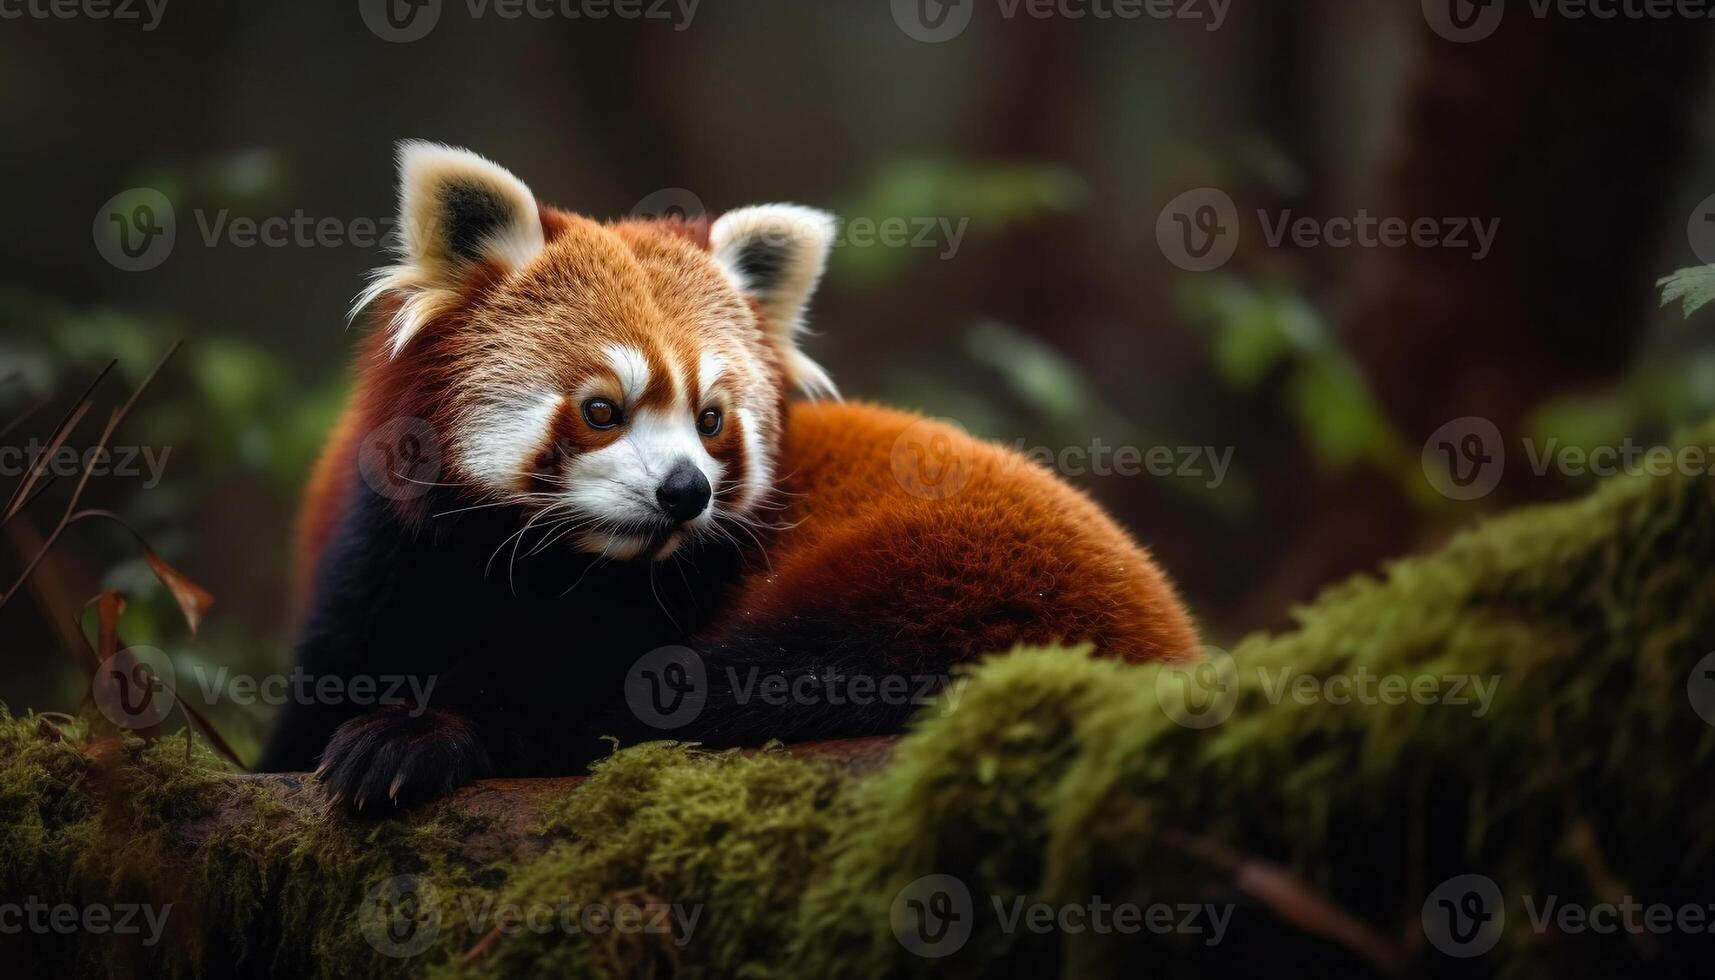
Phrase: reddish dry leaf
x=194 y=600
x=109 y=606
x=1293 y=900
x=1297 y=903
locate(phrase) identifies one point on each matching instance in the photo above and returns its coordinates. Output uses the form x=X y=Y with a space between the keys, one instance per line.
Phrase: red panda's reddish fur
x=1015 y=556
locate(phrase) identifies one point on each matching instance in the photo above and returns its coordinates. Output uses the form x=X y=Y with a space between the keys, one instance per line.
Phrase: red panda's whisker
x=767 y=562
x=507 y=502
x=656 y=593
x=512 y=565
x=427 y=483
x=560 y=529
x=489 y=567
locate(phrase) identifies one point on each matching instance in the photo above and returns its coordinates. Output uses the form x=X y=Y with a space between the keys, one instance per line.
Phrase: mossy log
x=1289 y=827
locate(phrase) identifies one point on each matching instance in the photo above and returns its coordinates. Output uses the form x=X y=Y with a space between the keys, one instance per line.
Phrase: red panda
x=616 y=445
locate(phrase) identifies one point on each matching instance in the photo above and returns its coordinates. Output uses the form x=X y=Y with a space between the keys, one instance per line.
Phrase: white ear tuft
x=775 y=254
x=456 y=211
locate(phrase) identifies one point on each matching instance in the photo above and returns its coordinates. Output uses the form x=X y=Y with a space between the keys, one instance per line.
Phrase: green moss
x=1061 y=778
x=1056 y=778
x=720 y=847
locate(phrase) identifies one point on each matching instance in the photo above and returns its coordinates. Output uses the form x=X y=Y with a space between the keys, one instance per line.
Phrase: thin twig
x=88 y=468
x=60 y=432
x=25 y=416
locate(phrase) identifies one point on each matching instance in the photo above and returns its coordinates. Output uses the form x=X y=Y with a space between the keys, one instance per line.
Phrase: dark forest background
x=1055 y=144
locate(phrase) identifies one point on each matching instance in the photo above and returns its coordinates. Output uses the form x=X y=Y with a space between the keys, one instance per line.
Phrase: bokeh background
x=1028 y=159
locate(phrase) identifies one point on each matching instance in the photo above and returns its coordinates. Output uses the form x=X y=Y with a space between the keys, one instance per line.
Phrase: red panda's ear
x=775 y=254
x=457 y=211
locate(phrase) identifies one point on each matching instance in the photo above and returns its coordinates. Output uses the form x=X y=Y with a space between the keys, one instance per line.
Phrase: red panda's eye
x=601 y=413
x=709 y=423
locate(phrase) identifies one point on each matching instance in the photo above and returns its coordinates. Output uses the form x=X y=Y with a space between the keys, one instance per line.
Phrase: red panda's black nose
x=684 y=493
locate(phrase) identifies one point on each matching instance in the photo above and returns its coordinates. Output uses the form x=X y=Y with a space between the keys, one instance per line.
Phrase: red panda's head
x=629 y=378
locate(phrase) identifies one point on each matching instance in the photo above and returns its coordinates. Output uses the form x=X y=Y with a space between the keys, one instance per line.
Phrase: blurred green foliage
x=235 y=428
x=994 y=198
x=1258 y=331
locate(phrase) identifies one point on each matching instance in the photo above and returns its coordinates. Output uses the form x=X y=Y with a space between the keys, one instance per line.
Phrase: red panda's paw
x=399 y=756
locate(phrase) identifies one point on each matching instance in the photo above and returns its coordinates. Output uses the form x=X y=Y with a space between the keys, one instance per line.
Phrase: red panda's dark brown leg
x=398 y=756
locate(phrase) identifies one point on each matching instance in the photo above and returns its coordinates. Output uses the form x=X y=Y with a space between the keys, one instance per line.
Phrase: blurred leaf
x=194 y=601
x=1338 y=416
x=1692 y=288
x=238 y=379
x=1050 y=383
x=1253 y=331
x=1599 y=419
x=936 y=204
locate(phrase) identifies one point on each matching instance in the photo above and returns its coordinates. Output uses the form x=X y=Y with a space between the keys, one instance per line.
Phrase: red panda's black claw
x=405 y=755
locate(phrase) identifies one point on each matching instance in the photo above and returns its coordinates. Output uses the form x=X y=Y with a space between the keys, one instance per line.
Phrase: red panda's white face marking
x=628 y=478
x=623 y=383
